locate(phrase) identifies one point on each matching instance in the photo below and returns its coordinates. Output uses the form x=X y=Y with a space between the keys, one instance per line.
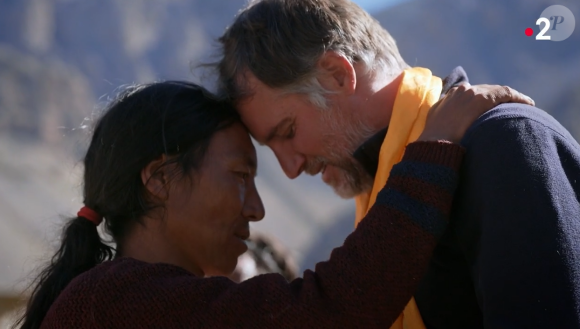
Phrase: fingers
x=450 y=117
x=462 y=87
x=510 y=95
x=465 y=84
x=493 y=93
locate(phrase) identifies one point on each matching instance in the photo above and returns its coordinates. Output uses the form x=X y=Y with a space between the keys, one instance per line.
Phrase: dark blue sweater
x=511 y=256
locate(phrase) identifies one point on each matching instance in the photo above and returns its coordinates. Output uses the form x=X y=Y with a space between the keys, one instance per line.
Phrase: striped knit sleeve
x=422 y=185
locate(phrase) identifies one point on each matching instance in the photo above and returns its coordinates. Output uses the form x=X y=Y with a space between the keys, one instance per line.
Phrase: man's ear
x=155 y=178
x=337 y=73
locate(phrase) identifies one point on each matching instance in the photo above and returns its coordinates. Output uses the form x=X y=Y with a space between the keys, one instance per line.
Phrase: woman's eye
x=244 y=175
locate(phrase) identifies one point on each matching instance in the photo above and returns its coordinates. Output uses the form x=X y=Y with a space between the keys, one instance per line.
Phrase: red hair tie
x=91 y=215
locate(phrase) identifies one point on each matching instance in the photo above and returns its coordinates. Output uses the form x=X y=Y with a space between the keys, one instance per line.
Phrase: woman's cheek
x=242 y=192
x=236 y=191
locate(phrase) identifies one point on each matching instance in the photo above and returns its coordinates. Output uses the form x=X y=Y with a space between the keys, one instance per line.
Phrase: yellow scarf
x=418 y=91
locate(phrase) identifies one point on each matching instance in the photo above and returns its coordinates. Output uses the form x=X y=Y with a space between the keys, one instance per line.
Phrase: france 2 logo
x=556 y=24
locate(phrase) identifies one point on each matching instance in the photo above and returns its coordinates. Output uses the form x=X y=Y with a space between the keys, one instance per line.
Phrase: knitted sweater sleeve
x=366 y=283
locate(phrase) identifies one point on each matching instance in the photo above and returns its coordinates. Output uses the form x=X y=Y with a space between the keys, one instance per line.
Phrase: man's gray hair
x=281 y=41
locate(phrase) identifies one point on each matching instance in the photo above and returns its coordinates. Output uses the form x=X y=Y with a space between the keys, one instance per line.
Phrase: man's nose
x=291 y=162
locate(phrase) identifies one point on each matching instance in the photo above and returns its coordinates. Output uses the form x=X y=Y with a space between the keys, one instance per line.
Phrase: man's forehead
x=256 y=117
x=253 y=88
x=264 y=124
x=262 y=110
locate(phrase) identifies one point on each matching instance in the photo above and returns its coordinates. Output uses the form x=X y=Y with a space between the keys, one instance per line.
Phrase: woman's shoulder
x=125 y=274
x=110 y=287
x=129 y=267
x=124 y=271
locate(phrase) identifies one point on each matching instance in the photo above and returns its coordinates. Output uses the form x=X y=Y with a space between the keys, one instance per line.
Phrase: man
x=324 y=86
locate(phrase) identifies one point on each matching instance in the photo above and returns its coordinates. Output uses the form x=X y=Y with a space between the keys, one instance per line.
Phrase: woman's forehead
x=234 y=143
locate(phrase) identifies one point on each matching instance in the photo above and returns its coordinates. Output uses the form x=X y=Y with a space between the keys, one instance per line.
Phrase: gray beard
x=344 y=136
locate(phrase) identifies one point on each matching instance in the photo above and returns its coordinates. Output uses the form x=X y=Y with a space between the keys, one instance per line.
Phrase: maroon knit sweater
x=366 y=283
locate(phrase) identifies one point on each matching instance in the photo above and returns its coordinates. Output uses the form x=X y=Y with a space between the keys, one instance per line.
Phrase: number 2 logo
x=541 y=35
x=556 y=23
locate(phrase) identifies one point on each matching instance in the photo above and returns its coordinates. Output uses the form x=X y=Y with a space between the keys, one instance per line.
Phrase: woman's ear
x=338 y=74
x=155 y=178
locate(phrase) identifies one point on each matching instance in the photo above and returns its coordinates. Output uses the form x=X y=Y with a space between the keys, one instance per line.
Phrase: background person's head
x=264 y=255
x=171 y=169
x=307 y=67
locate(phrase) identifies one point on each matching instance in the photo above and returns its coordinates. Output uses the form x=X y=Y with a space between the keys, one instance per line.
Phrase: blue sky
x=375 y=5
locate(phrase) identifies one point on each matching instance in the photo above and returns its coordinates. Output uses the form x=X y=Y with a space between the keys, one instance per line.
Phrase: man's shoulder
x=514 y=120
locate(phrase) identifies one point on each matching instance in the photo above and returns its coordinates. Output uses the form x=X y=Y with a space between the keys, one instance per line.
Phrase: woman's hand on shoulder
x=450 y=117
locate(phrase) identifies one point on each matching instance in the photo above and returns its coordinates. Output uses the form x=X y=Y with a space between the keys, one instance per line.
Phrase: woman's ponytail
x=81 y=249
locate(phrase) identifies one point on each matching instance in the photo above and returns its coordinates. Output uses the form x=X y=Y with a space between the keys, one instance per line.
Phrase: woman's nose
x=253 y=208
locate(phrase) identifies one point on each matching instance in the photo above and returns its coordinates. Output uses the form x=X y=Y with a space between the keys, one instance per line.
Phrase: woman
x=171 y=170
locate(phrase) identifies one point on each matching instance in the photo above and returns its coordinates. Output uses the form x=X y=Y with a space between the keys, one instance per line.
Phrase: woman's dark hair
x=143 y=123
